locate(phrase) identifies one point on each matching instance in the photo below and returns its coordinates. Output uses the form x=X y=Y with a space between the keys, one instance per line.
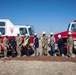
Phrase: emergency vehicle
x=71 y=28
x=8 y=28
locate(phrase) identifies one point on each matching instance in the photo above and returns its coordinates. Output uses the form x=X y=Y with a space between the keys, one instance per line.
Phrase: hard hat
x=0 y=33
x=43 y=32
x=6 y=35
x=35 y=33
x=26 y=34
x=12 y=34
x=69 y=33
x=59 y=36
x=51 y=33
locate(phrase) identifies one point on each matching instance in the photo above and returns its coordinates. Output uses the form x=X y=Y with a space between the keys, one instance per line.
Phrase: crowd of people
x=16 y=47
x=60 y=51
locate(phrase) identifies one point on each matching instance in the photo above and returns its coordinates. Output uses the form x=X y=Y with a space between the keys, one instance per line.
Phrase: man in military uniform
x=6 y=45
x=18 y=43
x=44 y=44
x=69 y=45
x=0 y=42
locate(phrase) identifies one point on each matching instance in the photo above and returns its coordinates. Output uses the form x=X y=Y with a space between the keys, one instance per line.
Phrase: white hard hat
x=69 y=33
x=59 y=36
x=12 y=34
x=51 y=33
x=6 y=35
x=43 y=32
x=26 y=34
x=0 y=33
x=35 y=33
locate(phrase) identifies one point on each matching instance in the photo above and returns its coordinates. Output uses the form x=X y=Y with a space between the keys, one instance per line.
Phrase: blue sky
x=44 y=15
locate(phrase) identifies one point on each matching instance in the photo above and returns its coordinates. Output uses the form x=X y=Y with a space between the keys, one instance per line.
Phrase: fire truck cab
x=8 y=28
x=71 y=28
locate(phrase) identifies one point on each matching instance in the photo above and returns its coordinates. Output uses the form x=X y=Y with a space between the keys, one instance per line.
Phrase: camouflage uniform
x=0 y=43
x=6 y=46
x=69 y=45
x=44 y=45
x=18 y=42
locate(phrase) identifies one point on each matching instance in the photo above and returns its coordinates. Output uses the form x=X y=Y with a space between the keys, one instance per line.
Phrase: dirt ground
x=44 y=58
x=41 y=65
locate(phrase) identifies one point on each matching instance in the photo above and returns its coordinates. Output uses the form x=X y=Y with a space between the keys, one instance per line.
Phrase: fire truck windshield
x=73 y=27
x=68 y=27
x=23 y=31
x=31 y=31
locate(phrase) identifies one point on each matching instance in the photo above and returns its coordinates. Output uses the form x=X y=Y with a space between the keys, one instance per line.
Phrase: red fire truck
x=7 y=27
x=71 y=28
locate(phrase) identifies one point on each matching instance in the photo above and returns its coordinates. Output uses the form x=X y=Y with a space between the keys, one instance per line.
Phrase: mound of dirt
x=44 y=58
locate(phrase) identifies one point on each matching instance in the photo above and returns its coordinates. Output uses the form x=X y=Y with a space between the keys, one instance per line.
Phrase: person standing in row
x=69 y=45
x=36 y=45
x=18 y=42
x=60 y=45
x=44 y=44
x=1 y=45
x=27 y=44
x=52 y=43
x=6 y=45
x=13 y=46
x=28 y=49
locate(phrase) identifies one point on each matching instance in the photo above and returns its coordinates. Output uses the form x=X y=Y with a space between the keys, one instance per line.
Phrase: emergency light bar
x=74 y=20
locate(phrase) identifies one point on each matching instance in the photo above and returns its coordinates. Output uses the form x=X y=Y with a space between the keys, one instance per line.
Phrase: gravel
x=18 y=67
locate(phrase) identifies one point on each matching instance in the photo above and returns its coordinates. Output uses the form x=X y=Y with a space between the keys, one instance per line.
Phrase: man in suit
x=36 y=45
